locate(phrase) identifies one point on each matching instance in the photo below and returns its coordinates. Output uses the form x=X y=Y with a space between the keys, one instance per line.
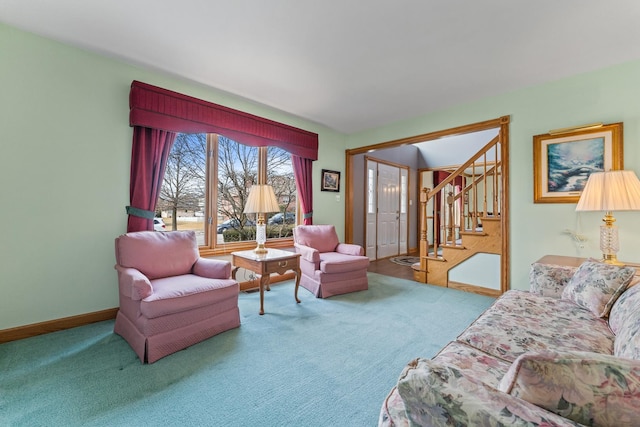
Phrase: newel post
x=424 y=243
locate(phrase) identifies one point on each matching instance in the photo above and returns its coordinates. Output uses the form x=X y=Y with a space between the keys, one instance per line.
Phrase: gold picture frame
x=564 y=159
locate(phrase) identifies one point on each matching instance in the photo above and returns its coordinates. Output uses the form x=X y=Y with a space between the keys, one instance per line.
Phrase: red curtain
x=149 y=153
x=302 y=169
x=157 y=114
x=154 y=107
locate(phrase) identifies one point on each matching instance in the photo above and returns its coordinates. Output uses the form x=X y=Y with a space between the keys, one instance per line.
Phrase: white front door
x=388 y=229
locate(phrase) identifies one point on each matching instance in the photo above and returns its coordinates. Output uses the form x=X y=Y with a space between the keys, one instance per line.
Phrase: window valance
x=158 y=108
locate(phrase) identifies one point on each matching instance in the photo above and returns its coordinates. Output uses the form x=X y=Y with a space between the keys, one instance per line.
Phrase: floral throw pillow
x=549 y=280
x=589 y=388
x=596 y=286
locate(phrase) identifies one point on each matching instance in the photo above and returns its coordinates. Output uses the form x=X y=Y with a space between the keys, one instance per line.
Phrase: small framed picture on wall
x=330 y=180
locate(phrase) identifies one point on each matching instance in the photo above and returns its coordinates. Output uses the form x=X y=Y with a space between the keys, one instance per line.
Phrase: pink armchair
x=328 y=266
x=170 y=297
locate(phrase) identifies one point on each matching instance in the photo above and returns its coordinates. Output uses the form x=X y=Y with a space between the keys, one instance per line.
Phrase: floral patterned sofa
x=565 y=353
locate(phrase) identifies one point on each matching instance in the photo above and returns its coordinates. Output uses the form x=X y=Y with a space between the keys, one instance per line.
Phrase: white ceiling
x=348 y=64
x=455 y=150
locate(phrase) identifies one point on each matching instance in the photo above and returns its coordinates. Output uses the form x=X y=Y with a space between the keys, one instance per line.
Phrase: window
x=403 y=193
x=206 y=185
x=371 y=191
x=181 y=203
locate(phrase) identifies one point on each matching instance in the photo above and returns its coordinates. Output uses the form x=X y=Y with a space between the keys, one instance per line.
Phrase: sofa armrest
x=308 y=253
x=438 y=394
x=349 y=249
x=133 y=284
x=549 y=280
x=212 y=268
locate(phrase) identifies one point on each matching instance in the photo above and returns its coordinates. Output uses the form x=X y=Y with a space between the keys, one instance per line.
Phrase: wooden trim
x=505 y=257
x=474 y=289
x=452 y=168
x=348 y=195
x=365 y=217
x=34 y=329
x=474 y=127
x=350 y=153
x=464 y=166
x=503 y=124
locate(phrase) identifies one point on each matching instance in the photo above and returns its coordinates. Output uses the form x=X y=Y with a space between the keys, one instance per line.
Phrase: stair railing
x=451 y=225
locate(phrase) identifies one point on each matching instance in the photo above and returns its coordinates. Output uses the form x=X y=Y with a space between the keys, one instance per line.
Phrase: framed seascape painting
x=330 y=180
x=564 y=159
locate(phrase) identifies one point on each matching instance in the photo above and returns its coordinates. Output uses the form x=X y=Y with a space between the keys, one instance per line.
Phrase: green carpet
x=319 y=363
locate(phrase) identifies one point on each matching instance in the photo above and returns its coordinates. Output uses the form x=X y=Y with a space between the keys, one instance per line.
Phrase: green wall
x=64 y=173
x=610 y=95
x=64 y=167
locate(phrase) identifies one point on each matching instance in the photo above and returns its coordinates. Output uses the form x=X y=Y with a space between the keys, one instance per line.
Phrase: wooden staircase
x=469 y=219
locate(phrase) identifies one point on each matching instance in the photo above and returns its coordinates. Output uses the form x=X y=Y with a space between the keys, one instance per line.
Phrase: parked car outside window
x=158 y=224
x=233 y=224
x=288 y=217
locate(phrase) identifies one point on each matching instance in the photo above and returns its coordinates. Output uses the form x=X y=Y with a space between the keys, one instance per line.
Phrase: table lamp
x=610 y=191
x=261 y=200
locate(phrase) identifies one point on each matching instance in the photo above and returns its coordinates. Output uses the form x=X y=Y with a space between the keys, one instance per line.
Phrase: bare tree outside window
x=185 y=196
x=183 y=186
x=280 y=176
x=237 y=172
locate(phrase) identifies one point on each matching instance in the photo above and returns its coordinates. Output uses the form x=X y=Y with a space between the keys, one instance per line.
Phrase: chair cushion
x=182 y=293
x=333 y=262
x=158 y=254
x=321 y=237
x=596 y=286
x=589 y=388
x=520 y=321
x=473 y=362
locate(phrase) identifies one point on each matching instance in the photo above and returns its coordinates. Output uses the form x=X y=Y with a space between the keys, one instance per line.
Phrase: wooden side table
x=571 y=261
x=274 y=261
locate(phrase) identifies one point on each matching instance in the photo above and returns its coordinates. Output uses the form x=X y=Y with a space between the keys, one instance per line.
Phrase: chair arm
x=212 y=268
x=549 y=280
x=349 y=249
x=133 y=284
x=307 y=253
x=439 y=394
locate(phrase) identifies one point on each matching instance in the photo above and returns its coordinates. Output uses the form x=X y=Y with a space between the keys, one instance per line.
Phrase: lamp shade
x=261 y=200
x=611 y=191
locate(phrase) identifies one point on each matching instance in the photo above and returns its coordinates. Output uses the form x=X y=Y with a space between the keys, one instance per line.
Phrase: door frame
x=403 y=231
x=501 y=122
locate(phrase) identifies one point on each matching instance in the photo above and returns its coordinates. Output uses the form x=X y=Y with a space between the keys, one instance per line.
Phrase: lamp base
x=611 y=259
x=609 y=243
x=260 y=249
x=261 y=235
